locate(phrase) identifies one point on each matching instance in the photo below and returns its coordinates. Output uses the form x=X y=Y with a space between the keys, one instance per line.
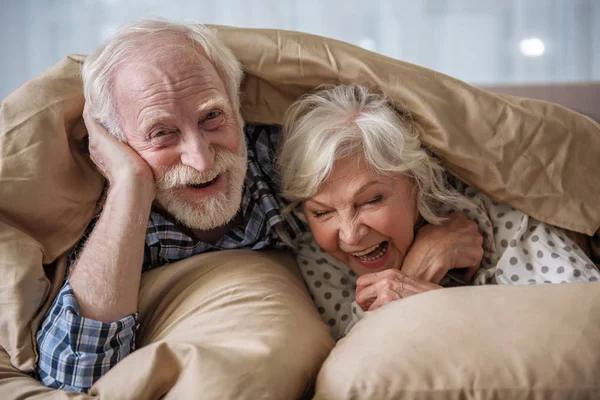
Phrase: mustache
x=183 y=175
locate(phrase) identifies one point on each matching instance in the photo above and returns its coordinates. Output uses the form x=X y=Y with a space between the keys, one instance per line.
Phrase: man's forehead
x=161 y=46
x=163 y=66
x=138 y=77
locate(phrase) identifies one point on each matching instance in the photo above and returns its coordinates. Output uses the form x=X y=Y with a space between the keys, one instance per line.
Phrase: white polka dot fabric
x=521 y=250
x=518 y=250
x=331 y=285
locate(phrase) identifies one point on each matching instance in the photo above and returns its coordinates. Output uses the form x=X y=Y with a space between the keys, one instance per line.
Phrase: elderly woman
x=386 y=222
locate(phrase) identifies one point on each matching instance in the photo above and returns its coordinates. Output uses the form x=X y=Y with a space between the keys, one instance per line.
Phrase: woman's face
x=362 y=219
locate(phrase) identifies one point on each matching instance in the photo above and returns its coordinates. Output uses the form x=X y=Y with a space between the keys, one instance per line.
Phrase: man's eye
x=162 y=138
x=213 y=115
x=212 y=121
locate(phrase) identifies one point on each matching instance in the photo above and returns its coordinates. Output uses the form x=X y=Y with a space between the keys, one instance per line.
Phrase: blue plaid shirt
x=74 y=352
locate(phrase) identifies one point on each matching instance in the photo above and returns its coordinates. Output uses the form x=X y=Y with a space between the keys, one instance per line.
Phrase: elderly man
x=185 y=177
x=168 y=95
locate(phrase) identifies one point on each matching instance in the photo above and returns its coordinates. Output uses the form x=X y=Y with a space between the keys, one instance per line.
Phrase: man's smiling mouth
x=202 y=185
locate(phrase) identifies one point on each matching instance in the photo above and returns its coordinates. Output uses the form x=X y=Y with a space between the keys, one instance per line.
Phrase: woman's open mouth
x=372 y=253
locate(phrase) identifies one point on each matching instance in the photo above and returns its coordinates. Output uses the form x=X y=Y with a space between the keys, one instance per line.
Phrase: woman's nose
x=351 y=232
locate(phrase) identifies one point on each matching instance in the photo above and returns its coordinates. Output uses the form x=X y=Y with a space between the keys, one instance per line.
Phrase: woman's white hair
x=99 y=67
x=343 y=121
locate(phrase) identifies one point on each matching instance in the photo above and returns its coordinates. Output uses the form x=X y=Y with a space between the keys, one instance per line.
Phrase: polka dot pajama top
x=518 y=250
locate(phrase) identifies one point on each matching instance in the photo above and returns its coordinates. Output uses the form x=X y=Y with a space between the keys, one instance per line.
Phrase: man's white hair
x=99 y=67
x=348 y=121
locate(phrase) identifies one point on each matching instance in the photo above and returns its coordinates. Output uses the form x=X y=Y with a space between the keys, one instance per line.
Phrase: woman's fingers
x=366 y=296
x=409 y=286
x=383 y=298
x=369 y=286
x=389 y=286
x=369 y=279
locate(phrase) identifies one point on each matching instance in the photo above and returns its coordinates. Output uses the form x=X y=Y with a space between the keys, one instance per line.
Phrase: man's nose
x=198 y=152
x=352 y=231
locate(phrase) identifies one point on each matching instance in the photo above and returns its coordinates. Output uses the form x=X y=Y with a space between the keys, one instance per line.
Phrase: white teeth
x=367 y=251
x=376 y=256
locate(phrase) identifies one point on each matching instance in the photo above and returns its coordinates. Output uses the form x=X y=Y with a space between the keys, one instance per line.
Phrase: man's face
x=175 y=113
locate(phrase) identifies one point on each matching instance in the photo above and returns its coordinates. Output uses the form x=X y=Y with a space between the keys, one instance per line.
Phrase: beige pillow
x=224 y=325
x=516 y=150
x=493 y=342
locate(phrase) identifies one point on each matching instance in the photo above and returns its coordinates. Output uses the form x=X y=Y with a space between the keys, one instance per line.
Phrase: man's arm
x=91 y=324
x=106 y=278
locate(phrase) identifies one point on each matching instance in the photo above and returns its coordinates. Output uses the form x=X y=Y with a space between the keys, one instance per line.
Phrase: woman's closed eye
x=375 y=200
x=319 y=213
x=372 y=201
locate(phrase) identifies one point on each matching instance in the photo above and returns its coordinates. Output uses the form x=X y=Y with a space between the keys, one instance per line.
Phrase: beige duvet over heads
x=539 y=157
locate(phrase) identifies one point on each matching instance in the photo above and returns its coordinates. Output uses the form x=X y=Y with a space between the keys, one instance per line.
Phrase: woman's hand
x=379 y=288
x=436 y=250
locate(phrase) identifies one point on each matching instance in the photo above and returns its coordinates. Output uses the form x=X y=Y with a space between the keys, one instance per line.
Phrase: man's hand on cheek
x=379 y=288
x=118 y=162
